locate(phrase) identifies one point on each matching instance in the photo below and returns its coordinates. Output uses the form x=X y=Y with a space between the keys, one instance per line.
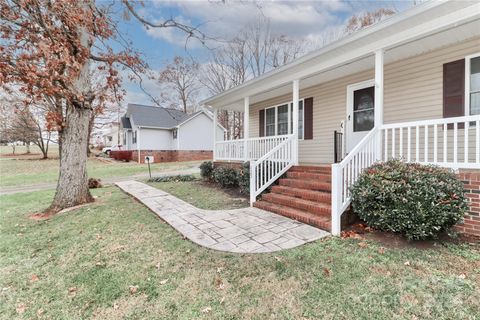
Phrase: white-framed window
x=276 y=119
x=270 y=120
x=472 y=84
x=174 y=133
x=134 y=137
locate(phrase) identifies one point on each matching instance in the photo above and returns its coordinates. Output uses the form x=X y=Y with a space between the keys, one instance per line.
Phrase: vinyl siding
x=413 y=91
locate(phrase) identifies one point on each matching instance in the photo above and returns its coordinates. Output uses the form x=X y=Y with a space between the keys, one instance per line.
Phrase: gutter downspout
x=138 y=144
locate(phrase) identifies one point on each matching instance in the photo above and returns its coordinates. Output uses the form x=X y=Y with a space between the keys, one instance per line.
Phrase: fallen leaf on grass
x=222 y=300
x=164 y=281
x=40 y=312
x=381 y=250
x=406 y=263
x=462 y=276
x=33 y=278
x=133 y=289
x=327 y=272
x=363 y=244
x=20 y=308
x=220 y=269
x=72 y=292
x=206 y=310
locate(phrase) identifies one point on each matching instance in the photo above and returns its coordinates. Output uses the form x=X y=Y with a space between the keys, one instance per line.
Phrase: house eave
x=402 y=28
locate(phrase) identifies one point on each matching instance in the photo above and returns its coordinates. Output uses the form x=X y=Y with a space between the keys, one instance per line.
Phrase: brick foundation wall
x=471 y=225
x=225 y=164
x=173 y=155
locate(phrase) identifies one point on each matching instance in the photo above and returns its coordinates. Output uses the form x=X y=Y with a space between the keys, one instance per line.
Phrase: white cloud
x=225 y=20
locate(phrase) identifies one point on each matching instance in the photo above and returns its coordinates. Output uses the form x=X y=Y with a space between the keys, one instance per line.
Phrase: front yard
x=18 y=171
x=115 y=259
x=203 y=195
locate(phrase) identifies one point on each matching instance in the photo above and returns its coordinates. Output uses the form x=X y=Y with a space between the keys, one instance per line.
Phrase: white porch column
x=214 y=132
x=296 y=97
x=379 y=54
x=246 y=127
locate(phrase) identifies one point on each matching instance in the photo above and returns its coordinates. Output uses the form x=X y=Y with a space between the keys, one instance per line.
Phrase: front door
x=360 y=112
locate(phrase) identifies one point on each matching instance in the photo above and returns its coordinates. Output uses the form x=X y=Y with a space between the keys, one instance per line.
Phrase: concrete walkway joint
x=247 y=230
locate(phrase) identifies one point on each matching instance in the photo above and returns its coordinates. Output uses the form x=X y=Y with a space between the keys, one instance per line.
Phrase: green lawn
x=17 y=172
x=202 y=195
x=115 y=259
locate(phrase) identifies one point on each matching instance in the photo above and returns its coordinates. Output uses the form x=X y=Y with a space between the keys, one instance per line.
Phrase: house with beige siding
x=407 y=87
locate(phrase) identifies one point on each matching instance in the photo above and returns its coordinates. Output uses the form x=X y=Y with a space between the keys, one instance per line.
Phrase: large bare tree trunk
x=72 y=187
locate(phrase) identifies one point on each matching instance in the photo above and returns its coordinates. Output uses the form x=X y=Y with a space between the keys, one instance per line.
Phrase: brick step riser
x=305 y=194
x=309 y=176
x=309 y=185
x=324 y=170
x=291 y=203
x=325 y=225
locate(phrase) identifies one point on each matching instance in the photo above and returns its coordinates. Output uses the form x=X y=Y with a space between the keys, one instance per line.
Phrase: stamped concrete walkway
x=248 y=230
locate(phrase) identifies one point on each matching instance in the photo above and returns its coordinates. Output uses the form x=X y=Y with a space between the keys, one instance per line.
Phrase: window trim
x=276 y=117
x=467 y=81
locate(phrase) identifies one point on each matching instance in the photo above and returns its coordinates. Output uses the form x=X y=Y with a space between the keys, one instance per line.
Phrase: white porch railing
x=234 y=150
x=268 y=168
x=231 y=150
x=449 y=142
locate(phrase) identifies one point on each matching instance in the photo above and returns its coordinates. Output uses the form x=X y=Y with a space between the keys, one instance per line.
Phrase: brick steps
x=306 y=184
x=309 y=176
x=302 y=216
x=314 y=169
x=304 y=195
x=312 y=195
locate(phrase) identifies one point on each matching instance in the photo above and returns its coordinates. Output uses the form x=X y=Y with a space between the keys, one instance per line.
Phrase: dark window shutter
x=454 y=89
x=261 y=123
x=308 y=119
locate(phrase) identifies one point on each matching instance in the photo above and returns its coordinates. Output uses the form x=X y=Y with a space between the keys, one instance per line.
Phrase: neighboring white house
x=168 y=134
x=111 y=134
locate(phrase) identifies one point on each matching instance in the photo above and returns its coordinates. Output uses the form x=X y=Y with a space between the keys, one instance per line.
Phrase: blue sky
x=313 y=20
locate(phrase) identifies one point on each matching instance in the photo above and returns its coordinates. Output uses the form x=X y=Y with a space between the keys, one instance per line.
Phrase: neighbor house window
x=134 y=137
x=276 y=119
x=174 y=133
x=472 y=84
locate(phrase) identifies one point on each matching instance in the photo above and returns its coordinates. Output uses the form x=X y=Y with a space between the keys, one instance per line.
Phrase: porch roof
x=423 y=28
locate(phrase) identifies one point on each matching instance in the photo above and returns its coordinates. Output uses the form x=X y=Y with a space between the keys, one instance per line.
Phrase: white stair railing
x=346 y=173
x=449 y=142
x=268 y=168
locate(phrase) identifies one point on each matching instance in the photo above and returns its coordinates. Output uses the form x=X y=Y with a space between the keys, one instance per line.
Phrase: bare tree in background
x=357 y=22
x=180 y=78
x=253 y=52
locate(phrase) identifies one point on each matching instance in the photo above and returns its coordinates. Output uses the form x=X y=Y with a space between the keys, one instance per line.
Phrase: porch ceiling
x=410 y=38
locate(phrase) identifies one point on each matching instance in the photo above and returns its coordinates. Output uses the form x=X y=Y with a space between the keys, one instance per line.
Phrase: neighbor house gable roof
x=195 y=114
x=155 y=117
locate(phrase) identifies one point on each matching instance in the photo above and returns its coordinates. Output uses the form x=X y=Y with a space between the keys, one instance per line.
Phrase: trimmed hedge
x=176 y=178
x=415 y=200
x=244 y=178
x=206 y=170
x=226 y=177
